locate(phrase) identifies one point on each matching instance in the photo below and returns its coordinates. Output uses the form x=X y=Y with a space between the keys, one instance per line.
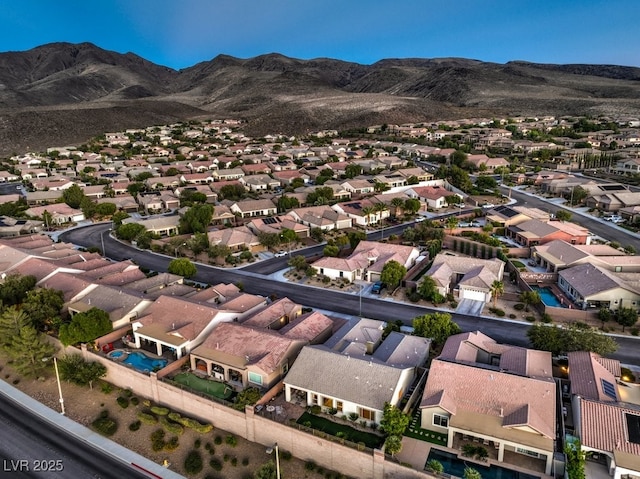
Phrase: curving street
x=386 y=310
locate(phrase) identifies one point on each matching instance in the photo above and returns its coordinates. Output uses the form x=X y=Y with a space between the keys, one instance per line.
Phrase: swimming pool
x=118 y=353
x=455 y=467
x=144 y=363
x=547 y=297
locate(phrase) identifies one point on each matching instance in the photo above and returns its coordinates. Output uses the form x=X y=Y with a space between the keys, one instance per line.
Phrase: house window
x=439 y=420
x=367 y=414
x=255 y=378
x=285 y=368
x=314 y=398
x=339 y=406
x=327 y=402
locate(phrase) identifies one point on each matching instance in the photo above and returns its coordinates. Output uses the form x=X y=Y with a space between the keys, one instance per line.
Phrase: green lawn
x=354 y=435
x=206 y=386
x=415 y=431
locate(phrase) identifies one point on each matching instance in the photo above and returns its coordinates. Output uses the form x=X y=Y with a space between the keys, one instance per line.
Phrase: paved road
x=29 y=444
x=345 y=303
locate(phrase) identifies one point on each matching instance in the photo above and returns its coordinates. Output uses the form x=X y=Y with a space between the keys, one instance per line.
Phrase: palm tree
x=452 y=222
x=367 y=211
x=379 y=208
x=398 y=204
x=497 y=289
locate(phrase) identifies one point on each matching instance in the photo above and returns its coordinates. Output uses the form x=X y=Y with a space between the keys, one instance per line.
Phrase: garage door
x=471 y=294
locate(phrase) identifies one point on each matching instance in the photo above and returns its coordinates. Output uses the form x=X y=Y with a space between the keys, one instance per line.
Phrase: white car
x=280 y=254
x=420 y=219
x=488 y=206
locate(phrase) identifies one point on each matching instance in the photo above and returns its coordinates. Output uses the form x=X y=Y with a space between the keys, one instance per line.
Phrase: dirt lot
x=84 y=405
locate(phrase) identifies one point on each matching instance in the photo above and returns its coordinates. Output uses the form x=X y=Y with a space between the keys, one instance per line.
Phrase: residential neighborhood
x=433 y=218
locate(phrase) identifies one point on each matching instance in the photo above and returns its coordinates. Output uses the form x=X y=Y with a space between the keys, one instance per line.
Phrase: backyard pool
x=455 y=467
x=547 y=297
x=144 y=363
x=118 y=353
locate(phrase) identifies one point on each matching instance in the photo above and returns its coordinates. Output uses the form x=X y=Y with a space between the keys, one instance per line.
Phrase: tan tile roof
x=246 y=346
x=603 y=427
x=233 y=237
x=308 y=327
x=283 y=307
x=481 y=392
x=70 y=284
x=243 y=302
x=588 y=279
x=587 y=371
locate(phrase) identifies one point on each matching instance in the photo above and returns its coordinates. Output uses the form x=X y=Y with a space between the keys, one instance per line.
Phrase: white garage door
x=471 y=294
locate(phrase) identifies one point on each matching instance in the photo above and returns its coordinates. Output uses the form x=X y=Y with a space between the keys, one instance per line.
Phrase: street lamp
x=55 y=366
x=178 y=247
x=269 y=451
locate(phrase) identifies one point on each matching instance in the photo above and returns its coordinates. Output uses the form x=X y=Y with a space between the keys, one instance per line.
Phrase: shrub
x=106 y=387
x=286 y=455
x=147 y=418
x=104 y=414
x=234 y=461
x=123 y=402
x=193 y=463
x=226 y=458
x=353 y=416
x=546 y=318
x=512 y=316
x=435 y=466
x=217 y=441
x=196 y=443
x=172 y=444
x=310 y=465
x=135 y=425
x=245 y=461
x=135 y=401
x=105 y=426
x=519 y=306
x=172 y=427
x=159 y=411
x=231 y=440
x=127 y=393
x=634 y=331
x=157 y=440
x=16 y=381
x=146 y=403
x=215 y=464
x=316 y=409
x=531 y=319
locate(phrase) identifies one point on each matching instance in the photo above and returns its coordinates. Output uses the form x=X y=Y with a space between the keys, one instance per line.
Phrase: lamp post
x=178 y=247
x=55 y=366
x=269 y=451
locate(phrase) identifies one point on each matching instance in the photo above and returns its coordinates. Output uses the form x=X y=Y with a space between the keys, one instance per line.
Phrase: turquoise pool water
x=455 y=467
x=144 y=363
x=116 y=354
x=547 y=297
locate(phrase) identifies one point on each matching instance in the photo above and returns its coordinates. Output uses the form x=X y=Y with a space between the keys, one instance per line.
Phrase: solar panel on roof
x=633 y=427
x=609 y=389
x=269 y=221
x=611 y=187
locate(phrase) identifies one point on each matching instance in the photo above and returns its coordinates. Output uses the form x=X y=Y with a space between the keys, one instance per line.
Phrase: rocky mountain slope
x=63 y=93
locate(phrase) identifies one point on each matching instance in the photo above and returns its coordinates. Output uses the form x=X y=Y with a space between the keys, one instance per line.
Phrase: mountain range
x=62 y=93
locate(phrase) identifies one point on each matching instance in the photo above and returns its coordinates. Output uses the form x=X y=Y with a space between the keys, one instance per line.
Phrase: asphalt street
x=33 y=448
x=345 y=303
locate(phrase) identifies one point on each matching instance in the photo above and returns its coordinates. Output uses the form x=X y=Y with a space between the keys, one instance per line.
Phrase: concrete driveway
x=470 y=307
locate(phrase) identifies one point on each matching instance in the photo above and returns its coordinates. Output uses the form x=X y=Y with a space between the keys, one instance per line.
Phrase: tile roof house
x=558 y=255
x=323 y=217
x=434 y=196
x=249 y=208
x=60 y=213
x=472 y=277
x=242 y=356
x=275 y=315
x=177 y=324
x=366 y=261
x=506 y=215
x=235 y=238
x=122 y=306
x=349 y=384
x=610 y=429
x=500 y=395
x=489 y=163
x=591 y=286
x=276 y=225
x=160 y=225
x=535 y=232
x=594 y=377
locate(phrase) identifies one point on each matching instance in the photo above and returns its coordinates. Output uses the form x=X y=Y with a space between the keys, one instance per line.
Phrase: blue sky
x=181 y=33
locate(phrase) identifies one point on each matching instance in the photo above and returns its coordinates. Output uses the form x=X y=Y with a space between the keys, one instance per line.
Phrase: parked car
x=420 y=219
x=280 y=254
x=377 y=287
x=488 y=206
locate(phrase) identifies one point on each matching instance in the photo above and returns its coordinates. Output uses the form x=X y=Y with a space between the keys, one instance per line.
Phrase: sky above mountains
x=179 y=34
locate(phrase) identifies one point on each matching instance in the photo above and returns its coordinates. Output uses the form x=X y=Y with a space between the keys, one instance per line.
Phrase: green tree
x=75 y=369
x=269 y=240
x=299 y=262
x=106 y=209
x=530 y=298
x=497 y=290
x=12 y=320
x=130 y=231
x=286 y=203
x=435 y=466
x=317 y=234
x=392 y=273
x=73 y=196
x=355 y=237
x=86 y=327
x=577 y=195
x=575 y=460
x=471 y=473
x=15 y=288
x=411 y=206
x=118 y=217
x=604 y=315
x=233 y=192
x=437 y=326
x=331 y=250
x=394 y=421
x=626 y=317
x=196 y=219
x=393 y=445
x=218 y=251
x=182 y=267
x=28 y=350
x=43 y=306
x=563 y=215
x=352 y=170
x=451 y=223
x=428 y=289
x=574 y=337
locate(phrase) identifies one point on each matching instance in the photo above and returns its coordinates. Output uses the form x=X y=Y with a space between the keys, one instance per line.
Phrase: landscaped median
x=340 y=431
